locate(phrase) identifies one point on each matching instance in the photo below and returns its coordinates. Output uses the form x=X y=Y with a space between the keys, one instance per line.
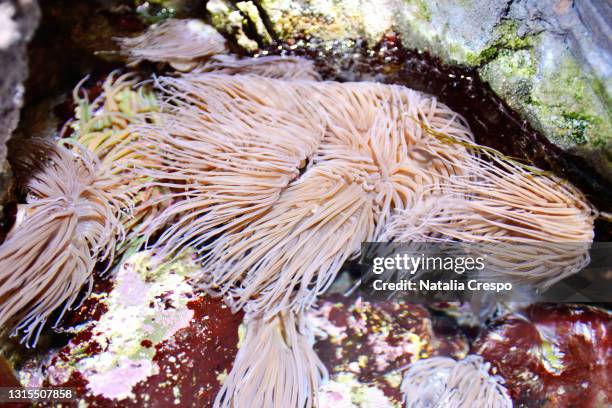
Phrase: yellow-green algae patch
x=548 y=86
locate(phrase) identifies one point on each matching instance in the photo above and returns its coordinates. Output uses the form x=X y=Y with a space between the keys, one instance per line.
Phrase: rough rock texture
x=550 y=60
x=147 y=340
x=18 y=20
x=558 y=74
x=365 y=345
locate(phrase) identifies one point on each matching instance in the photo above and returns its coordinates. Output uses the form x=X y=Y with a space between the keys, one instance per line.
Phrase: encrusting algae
x=275 y=178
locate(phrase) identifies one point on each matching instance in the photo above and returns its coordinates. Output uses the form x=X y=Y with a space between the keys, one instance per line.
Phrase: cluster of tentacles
x=275 y=178
x=443 y=382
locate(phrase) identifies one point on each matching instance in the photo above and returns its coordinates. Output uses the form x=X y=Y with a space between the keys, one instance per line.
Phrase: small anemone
x=102 y=127
x=69 y=223
x=442 y=382
x=178 y=42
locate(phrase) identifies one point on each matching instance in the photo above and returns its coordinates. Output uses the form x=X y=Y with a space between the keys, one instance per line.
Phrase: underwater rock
x=18 y=20
x=245 y=21
x=552 y=355
x=454 y=31
x=74 y=39
x=7 y=375
x=151 y=340
x=8 y=379
x=362 y=342
x=558 y=95
x=549 y=60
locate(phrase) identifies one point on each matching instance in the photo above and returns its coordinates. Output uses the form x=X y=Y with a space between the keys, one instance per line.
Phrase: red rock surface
x=189 y=362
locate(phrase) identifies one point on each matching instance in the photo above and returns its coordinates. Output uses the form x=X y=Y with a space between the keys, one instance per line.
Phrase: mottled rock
x=244 y=21
x=552 y=355
x=18 y=20
x=455 y=31
x=344 y=390
x=147 y=337
x=559 y=95
x=364 y=344
x=151 y=340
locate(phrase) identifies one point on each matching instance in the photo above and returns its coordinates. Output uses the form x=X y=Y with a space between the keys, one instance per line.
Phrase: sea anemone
x=181 y=43
x=101 y=126
x=445 y=382
x=275 y=367
x=276 y=178
x=69 y=223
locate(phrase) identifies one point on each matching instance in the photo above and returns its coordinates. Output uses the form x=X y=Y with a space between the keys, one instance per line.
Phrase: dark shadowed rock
x=18 y=20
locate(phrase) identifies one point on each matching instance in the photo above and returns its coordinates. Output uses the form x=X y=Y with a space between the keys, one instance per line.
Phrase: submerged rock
x=549 y=60
x=364 y=345
x=549 y=86
x=344 y=390
x=552 y=355
x=151 y=340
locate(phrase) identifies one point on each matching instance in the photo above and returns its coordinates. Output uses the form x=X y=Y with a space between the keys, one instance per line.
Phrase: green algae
x=506 y=38
x=549 y=87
